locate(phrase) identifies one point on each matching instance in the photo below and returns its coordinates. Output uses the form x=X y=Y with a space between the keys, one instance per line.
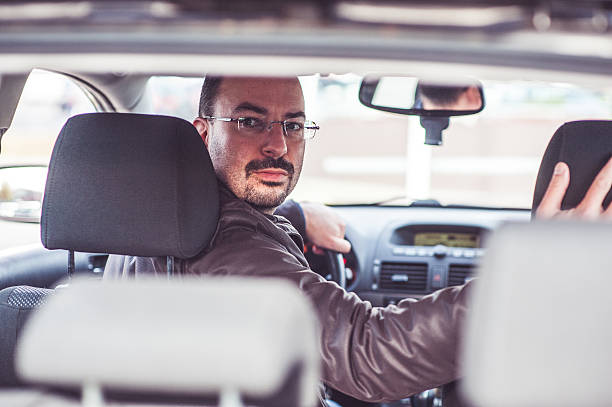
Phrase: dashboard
x=401 y=252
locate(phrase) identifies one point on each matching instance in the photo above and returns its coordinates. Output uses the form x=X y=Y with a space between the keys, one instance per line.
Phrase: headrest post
x=230 y=398
x=169 y=266
x=70 y=263
x=91 y=395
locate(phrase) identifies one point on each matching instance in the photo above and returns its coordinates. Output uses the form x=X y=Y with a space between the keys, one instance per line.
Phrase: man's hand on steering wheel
x=324 y=228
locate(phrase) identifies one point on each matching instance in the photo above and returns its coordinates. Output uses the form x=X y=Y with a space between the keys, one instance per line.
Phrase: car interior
x=433 y=195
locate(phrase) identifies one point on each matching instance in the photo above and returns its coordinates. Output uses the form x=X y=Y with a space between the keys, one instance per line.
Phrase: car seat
x=539 y=331
x=118 y=183
x=584 y=145
x=16 y=304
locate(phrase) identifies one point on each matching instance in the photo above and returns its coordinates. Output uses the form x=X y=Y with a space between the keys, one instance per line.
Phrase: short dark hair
x=440 y=94
x=208 y=96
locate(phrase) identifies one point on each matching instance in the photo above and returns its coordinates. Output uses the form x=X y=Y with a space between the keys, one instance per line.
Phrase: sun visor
x=11 y=86
x=539 y=330
x=190 y=337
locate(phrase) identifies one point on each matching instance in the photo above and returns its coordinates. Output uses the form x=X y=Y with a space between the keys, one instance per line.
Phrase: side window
x=47 y=101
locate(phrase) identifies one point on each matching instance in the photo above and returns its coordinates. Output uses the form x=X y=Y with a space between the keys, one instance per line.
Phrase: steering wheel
x=336 y=270
x=330 y=265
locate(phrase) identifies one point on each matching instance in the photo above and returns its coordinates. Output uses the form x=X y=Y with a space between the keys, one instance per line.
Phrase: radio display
x=449 y=239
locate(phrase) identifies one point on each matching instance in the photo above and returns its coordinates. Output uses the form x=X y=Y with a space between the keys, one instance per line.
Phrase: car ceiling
x=112 y=48
x=189 y=37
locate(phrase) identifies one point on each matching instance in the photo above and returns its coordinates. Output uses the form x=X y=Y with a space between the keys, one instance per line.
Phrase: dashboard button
x=457 y=253
x=469 y=253
x=436 y=276
x=440 y=251
x=411 y=251
x=422 y=252
x=398 y=251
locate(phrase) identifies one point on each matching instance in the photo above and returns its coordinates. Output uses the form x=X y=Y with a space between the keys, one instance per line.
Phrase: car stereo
x=417 y=259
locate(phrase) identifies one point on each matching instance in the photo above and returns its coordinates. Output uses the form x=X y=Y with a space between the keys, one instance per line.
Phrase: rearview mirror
x=412 y=96
x=21 y=192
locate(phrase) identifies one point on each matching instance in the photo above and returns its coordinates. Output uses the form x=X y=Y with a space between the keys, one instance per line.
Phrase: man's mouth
x=271 y=175
x=272 y=172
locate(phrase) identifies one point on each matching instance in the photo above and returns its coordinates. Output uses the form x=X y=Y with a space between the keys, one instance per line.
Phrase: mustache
x=256 y=165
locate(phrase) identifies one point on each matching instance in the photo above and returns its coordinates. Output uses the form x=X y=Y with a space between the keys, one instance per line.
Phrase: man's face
x=262 y=168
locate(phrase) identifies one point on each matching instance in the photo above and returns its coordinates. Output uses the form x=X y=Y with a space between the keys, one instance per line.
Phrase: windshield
x=363 y=156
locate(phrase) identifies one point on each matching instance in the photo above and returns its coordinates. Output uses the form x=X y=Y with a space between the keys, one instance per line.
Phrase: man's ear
x=203 y=128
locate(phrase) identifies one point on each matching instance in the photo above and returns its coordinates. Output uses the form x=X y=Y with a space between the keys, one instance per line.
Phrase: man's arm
x=370 y=353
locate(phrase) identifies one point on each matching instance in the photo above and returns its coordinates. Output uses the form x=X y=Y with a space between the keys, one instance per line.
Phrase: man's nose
x=275 y=143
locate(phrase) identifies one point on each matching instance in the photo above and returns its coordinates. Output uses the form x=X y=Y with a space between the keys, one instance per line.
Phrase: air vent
x=459 y=274
x=403 y=276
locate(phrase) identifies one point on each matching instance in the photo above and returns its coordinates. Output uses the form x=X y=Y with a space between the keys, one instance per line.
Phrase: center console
x=412 y=260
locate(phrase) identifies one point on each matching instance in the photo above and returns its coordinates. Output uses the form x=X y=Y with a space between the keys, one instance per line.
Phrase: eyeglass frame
x=312 y=126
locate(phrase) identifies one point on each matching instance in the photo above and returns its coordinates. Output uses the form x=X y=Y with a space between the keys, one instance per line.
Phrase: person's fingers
x=607 y=214
x=317 y=250
x=341 y=245
x=334 y=244
x=591 y=204
x=551 y=202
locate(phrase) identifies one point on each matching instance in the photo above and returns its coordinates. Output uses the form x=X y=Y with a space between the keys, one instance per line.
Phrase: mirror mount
x=433 y=129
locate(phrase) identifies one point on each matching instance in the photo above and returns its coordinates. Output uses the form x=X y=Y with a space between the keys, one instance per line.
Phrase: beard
x=267 y=195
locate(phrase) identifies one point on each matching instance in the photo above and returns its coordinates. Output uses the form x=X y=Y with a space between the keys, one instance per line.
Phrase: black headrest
x=585 y=146
x=129 y=184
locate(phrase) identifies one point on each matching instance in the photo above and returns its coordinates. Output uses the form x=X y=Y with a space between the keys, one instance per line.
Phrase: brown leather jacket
x=370 y=353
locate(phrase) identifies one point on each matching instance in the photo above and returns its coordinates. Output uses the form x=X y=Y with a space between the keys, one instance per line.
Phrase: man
x=253 y=129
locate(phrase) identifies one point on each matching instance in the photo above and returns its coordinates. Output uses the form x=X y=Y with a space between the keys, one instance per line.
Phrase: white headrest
x=540 y=330
x=191 y=337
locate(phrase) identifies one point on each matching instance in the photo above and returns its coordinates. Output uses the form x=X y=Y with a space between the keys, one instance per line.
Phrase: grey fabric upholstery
x=585 y=146
x=16 y=305
x=129 y=184
x=27 y=297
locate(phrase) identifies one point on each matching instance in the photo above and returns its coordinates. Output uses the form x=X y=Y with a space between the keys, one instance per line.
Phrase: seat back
x=539 y=332
x=16 y=306
x=178 y=340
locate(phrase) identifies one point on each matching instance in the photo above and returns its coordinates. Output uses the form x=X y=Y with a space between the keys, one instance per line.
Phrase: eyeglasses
x=292 y=129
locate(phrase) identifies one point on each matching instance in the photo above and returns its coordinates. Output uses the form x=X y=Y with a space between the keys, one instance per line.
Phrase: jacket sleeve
x=371 y=353
x=292 y=211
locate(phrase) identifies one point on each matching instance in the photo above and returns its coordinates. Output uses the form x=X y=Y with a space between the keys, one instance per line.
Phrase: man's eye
x=293 y=126
x=250 y=123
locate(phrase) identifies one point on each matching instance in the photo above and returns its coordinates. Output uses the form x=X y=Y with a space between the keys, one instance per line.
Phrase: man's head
x=261 y=168
x=448 y=97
